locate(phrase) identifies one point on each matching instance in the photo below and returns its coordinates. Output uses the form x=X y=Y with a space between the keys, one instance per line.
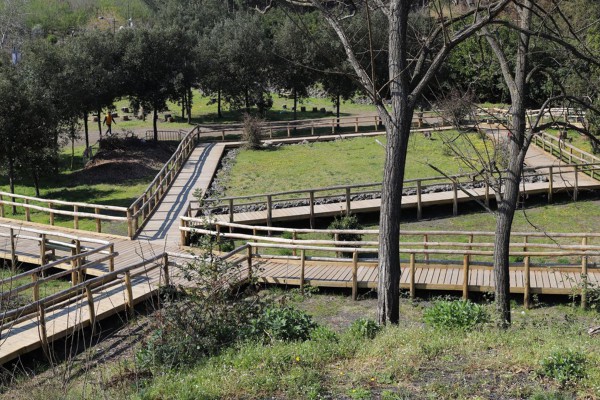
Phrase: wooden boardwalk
x=564 y=180
x=140 y=268
x=158 y=236
x=428 y=276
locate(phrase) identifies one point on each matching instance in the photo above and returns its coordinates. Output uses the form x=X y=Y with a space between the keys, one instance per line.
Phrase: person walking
x=108 y=121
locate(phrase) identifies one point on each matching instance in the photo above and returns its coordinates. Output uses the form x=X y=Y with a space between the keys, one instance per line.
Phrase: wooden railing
x=82 y=291
x=166 y=135
x=565 y=151
x=98 y=212
x=50 y=242
x=141 y=209
x=471 y=252
x=311 y=127
x=345 y=194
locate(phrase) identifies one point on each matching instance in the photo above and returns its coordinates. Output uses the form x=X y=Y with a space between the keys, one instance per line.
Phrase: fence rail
x=346 y=194
x=470 y=253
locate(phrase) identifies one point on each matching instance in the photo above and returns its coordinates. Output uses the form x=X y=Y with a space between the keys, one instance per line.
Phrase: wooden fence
x=566 y=152
x=48 y=243
x=344 y=194
x=533 y=249
x=166 y=135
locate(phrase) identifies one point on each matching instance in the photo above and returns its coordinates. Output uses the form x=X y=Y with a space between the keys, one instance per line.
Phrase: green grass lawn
x=205 y=111
x=70 y=185
x=350 y=161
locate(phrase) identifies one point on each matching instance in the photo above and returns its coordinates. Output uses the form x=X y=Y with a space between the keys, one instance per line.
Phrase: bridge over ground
x=111 y=273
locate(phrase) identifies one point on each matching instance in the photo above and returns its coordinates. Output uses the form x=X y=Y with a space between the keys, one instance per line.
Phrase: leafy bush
x=365 y=328
x=283 y=323
x=252 y=131
x=565 y=366
x=198 y=323
x=348 y=222
x=455 y=315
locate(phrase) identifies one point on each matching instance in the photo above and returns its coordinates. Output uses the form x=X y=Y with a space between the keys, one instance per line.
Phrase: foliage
x=365 y=328
x=252 y=132
x=564 y=365
x=455 y=315
x=346 y=222
x=203 y=321
x=283 y=323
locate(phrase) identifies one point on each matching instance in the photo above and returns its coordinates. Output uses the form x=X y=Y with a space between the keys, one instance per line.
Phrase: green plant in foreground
x=455 y=315
x=565 y=366
x=365 y=327
x=283 y=323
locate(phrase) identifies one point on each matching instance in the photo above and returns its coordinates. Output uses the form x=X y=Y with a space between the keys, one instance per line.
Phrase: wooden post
x=223 y=135
x=75 y=217
x=355 y=275
x=231 y=217
x=270 y=133
x=27 y=211
x=419 y=204
x=145 y=206
x=376 y=125
x=527 y=288
x=356 y=125
x=183 y=234
x=348 y=202
x=294 y=238
x=525 y=241
x=99 y=221
x=455 y=200
x=302 y=269
x=79 y=261
x=333 y=126
x=249 y=262
x=1 y=207
x=13 y=250
x=412 y=276
x=91 y=310
x=129 y=291
x=51 y=214
x=576 y=189
x=130 y=231
x=36 y=287
x=269 y=212
x=311 y=196
x=550 y=185
x=584 y=276
x=336 y=238
x=425 y=247
x=111 y=262
x=312 y=128
x=43 y=333
x=466 y=277
x=166 y=269
x=74 y=252
x=289 y=131
x=42 y=249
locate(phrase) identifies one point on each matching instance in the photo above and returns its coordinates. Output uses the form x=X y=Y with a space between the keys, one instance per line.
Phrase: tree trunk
x=100 y=123
x=398 y=131
x=219 y=115
x=183 y=106
x=337 y=110
x=11 y=182
x=86 y=130
x=295 y=104
x=247 y=100
x=36 y=182
x=154 y=124
x=72 y=151
x=189 y=105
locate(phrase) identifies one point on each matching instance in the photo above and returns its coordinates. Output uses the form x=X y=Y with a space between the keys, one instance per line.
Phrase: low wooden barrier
x=470 y=252
x=141 y=209
x=166 y=135
x=344 y=194
x=566 y=152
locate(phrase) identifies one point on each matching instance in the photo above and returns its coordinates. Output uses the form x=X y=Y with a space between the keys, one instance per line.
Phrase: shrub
x=365 y=328
x=283 y=323
x=349 y=222
x=455 y=315
x=565 y=366
x=252 y=131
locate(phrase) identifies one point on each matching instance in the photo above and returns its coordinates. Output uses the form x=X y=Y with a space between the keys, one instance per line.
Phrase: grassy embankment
x=409 y=361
